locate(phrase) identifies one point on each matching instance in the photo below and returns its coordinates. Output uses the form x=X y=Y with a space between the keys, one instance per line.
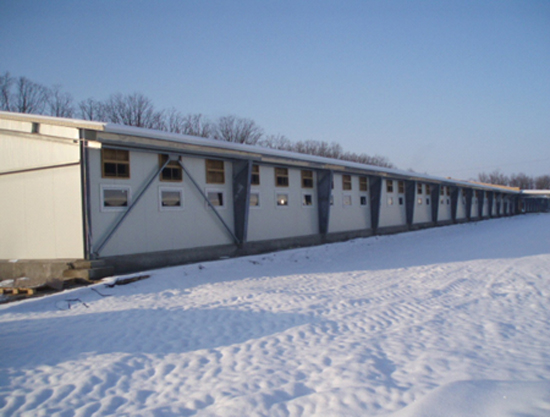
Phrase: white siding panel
x=344 y=218
x=391 y=212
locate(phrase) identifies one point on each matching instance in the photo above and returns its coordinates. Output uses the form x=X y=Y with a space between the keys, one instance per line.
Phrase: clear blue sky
x=450 y=88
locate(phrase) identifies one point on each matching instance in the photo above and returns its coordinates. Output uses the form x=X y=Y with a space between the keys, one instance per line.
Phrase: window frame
x=171 y=208
x=105 y=187
x=347 y=197
x=281 y=193
x=255 y=175
x=283 y=174
x=172 y=165
x=221 y=191
x=257 y=206
x=400 y=187
x=312 y=205
x=307 y=175
x=389 y=186
x=363 y=184
x=212 y=172
x=116 y=161
x=347 y=184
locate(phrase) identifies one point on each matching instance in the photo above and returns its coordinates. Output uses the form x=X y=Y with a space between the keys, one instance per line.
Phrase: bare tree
x=278 y=141
x=542 y=182
x=496 y=177
x=29 y=97
x=522 y=181
x=91 y=109
x=6 y=82
x=133 y=110
x=237 y=130
x=60 y=104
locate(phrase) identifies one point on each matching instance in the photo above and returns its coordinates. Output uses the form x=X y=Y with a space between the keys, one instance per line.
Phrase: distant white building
x=107 y=198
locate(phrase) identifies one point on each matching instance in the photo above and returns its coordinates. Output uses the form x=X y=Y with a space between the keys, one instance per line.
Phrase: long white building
x=97 y=198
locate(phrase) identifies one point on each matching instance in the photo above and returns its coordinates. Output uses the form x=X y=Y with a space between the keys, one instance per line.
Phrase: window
x=442 y=190
x=419 y=201
x=116 y=163
x=400 y=187
x=170 y=198
x=331 y=200
x=172 y=172
x=390 y=201
x=428 y=189
x=448 y=201
x=346 y=200
x=255 y=180
x=307 y=179
x=363 y=184
x=215 y=172
x=307 y=199
x=400 y=201
x=281 y=177
x=363 y=200
x=254 y=199
x=346 y=182
x=216 y=198
x=448 y=191
x=419 y=189
x=389 y=186
x=282 y=199
x=114 y=198
x=427 y=201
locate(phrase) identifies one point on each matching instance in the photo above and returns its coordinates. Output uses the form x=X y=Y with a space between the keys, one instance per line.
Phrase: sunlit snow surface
x=447 y=322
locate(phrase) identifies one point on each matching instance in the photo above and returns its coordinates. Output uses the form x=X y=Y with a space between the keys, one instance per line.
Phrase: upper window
x=400 y=187
x=171 y=172
x=442 y=190
x=363 y=184
x=389 y=186
x=281 y=177
x=215 y=172
x=346 y=182
x=427 y=189
x=307 y=179
x=448 y=190
x=255 y=180
x=116 y=163
x=418 y=188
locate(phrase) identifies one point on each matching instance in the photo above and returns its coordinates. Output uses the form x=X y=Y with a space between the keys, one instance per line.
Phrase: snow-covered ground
x=453 y=321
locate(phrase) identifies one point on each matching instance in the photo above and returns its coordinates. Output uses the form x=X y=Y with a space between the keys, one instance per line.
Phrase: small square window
x=116 y=163
x=448 y=201
x=427 y=201
x=172 y=172
x=363 y=184
x=281 y=177
x=307 y=179
x=171 y=198
x=331 y=200
x=215 y=172
x=216 y=198
x=346 y=200
x=400 y=201
x=419 y=201
x=363 y=200
x=282 y=200
x=114 y=198
x=255 y=180
x=401 y=187
x=254 y=199
x=419 y=189
x=307 y=200
x=346 y=182
x=442 y=201
x=389 y=186
x=390 y=201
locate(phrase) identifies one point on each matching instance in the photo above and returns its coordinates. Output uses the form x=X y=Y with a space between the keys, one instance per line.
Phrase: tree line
x=22 y=95
x=521 y=180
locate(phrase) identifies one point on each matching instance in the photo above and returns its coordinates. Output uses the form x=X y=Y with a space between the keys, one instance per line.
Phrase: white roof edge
x=213 y=143
x=59 y=121
x=536 y=192
x=208 y=142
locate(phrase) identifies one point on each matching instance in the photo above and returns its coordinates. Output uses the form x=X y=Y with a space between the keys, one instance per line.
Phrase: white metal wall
x=148 y=227
x=345 y=217
x=393 y=210
x=423 y=206
x=270 y=221
x=40 y=211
